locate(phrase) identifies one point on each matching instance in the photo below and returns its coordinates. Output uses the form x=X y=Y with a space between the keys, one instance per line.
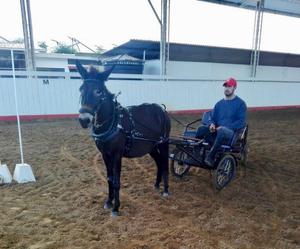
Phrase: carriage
x=144 y=129
x=228 y=158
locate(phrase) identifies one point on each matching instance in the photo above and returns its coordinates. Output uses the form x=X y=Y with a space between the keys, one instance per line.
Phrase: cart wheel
x=224 y=172
x=179 y=169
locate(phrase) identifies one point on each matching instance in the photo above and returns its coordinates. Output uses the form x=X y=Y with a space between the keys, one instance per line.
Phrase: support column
x=163 y=36
x=28 y=34
x=256 y=37
x=164 y=22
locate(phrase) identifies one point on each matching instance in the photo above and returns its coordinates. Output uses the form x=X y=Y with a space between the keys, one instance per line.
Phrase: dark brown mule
x=122 y=132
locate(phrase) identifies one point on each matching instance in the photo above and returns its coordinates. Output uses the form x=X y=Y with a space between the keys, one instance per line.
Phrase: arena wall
x=45 y=95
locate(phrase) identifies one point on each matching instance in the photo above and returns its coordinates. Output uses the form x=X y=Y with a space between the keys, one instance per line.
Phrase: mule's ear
x=83 y=72
x=106 y=73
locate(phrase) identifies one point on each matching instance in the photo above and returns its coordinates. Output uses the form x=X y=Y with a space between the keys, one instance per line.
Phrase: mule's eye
x=97 y=92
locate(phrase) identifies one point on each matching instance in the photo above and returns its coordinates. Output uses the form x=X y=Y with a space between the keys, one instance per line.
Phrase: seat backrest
x=240 y=135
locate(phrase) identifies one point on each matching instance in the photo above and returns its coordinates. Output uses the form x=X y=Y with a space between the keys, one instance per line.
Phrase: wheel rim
x=225 y=171
x=180 y=169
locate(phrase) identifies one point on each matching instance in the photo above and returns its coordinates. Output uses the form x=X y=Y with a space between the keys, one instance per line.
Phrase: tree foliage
x=64 y=49
x=43 y=45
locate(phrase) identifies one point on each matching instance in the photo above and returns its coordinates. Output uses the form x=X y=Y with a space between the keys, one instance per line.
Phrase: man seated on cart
x=227 y=117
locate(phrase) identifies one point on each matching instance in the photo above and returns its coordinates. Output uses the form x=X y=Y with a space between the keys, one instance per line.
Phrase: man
x=228 y=116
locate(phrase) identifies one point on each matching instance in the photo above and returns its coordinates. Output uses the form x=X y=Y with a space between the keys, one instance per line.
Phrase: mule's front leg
x=109 y=202
x=158 y=178
x=116 y=185
x=109 y=169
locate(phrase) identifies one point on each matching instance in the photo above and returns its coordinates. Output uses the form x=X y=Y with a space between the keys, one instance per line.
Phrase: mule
x=119 y=131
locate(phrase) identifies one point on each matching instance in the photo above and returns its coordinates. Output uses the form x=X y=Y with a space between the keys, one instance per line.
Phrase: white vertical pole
x=163 y=36
x=16 y=103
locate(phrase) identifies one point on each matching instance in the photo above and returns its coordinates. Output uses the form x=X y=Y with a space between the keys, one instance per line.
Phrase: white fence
x=53 y=96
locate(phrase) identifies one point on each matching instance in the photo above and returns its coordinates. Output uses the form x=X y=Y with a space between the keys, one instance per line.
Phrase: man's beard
x=229 y=94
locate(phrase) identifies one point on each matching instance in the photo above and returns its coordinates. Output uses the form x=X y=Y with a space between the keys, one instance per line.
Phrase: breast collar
x=113 y=129
x=116 y=127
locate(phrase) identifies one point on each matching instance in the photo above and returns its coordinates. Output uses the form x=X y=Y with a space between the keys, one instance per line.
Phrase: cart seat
x=237 y=142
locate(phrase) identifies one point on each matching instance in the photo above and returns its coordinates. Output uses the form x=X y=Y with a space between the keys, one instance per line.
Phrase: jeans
x=222 y=136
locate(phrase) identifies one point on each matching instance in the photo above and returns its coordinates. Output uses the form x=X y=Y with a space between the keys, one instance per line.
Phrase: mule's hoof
x=115 y=214
x=165 y=194
x=108 y=205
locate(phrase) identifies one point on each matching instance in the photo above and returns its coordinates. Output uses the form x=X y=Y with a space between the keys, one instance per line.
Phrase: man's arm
x=214 y=116
x=213 y=120
x=240 y=122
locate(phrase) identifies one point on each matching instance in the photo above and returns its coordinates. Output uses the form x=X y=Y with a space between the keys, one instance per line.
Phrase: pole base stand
x=23 y=173
x=5 y=176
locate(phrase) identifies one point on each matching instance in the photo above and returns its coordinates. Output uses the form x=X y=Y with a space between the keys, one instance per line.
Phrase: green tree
x=43 y=45
x=64 y=49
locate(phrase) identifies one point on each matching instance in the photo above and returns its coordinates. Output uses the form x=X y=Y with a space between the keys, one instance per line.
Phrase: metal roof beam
x=281 y=7
x=154 y=11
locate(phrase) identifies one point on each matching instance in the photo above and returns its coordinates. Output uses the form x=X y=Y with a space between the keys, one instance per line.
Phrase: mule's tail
x=166 y=124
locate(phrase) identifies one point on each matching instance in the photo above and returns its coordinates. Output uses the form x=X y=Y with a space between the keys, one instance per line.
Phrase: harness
x=116 y=127
x=111 y=132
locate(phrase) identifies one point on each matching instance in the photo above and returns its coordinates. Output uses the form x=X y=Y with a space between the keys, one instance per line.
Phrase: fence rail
x=60 y=96
x=75 y=75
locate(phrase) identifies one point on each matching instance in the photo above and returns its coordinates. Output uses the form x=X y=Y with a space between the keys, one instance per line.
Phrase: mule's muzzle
x=85 y=120
x=86 y=109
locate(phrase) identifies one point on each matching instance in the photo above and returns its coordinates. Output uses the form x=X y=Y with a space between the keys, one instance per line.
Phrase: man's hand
x=212 y=128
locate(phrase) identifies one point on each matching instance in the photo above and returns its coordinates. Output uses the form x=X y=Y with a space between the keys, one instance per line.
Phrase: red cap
x=230 y=82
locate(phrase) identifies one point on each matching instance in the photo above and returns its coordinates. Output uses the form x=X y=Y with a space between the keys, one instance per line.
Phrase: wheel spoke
x=227 y=167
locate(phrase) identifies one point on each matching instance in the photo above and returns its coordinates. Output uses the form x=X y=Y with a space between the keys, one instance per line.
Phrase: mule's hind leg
x=160 y=154
x=155 y=154
x=164 y=153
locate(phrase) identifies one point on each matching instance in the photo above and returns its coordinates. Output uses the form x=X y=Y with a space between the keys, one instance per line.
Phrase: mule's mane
x=110 y=95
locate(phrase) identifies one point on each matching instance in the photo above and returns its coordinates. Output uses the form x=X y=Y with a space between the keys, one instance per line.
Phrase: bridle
x=104 y=98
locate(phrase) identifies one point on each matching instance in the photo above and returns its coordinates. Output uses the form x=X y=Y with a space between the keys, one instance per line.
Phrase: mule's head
x=92 y=92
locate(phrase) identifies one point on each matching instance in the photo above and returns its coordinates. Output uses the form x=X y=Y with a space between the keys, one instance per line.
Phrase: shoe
x=209 y=161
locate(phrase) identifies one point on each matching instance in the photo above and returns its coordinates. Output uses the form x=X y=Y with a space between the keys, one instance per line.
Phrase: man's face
x=229 y=90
